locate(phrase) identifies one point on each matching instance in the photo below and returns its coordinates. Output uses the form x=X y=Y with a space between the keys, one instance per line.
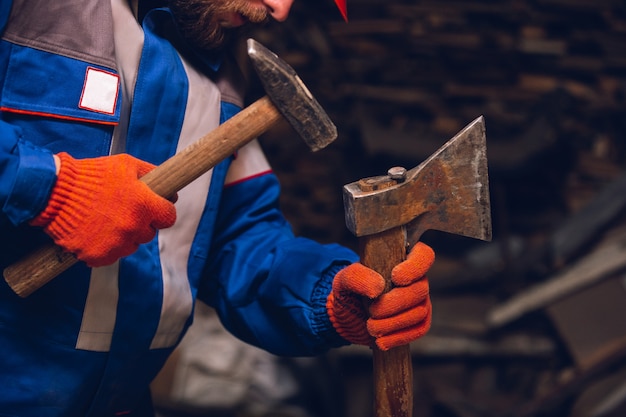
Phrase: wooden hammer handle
x=393 y=369
x=38 y=268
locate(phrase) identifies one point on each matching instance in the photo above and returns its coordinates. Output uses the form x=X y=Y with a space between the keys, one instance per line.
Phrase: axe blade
x=456 y=180
x=448 y=192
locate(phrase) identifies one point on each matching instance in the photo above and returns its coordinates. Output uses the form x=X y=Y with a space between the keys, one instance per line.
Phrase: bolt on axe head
x=447 y=192
x=291 y=97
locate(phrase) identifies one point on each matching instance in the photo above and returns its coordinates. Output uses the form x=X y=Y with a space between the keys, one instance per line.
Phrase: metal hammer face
x=447 y=192
x=291 y=97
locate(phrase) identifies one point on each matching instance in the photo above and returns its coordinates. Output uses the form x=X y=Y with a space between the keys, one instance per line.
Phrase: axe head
x=448 y=192
x=291 y=97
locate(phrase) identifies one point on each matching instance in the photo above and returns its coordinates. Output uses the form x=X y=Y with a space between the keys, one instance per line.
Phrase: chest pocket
x=47 y=94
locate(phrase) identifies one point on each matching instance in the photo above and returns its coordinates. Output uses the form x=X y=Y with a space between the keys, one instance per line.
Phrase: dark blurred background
x=533 y=323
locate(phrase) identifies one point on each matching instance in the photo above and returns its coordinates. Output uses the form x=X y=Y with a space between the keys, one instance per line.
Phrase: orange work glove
x=393 y=319
x=100 y=211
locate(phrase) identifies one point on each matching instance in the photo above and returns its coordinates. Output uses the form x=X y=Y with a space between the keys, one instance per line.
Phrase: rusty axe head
x=447 y=192
x=291 y=97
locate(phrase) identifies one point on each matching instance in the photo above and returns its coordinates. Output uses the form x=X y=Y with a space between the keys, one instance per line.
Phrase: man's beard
x=199 y=24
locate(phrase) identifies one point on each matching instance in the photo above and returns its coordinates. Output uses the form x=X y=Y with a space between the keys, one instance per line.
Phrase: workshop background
x=533 y=323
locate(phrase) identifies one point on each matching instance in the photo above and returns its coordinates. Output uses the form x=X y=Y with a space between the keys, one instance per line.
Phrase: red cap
x=343 y=8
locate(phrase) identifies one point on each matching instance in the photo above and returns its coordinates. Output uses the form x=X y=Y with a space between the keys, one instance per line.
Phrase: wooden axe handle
x=36 y=269
x=393 y=369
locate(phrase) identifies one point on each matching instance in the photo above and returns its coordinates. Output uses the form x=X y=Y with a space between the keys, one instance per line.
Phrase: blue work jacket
x=67 y=350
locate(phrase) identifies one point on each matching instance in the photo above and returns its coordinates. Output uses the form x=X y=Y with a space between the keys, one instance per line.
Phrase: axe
x=287 y=96
x=448 y=192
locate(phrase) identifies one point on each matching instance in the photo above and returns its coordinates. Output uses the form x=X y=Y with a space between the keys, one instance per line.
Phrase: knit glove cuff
x=346 y=306
x=76 y=182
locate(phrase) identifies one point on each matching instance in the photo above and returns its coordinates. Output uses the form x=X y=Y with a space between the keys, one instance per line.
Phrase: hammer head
x=291 y=97
x=447 y=192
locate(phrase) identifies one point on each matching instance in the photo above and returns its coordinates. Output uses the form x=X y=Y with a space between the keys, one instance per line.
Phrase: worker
x=94 y=95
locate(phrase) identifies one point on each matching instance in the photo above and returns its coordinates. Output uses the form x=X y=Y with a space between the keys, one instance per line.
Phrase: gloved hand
x=100 y=211
x=395 y=318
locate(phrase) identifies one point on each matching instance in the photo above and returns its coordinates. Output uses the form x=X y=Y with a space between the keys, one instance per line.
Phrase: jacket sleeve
x=27 y=174
x=268 y=286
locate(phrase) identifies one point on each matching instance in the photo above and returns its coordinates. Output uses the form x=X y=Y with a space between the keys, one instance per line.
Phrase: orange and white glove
x=393 y=319
x=100 y=211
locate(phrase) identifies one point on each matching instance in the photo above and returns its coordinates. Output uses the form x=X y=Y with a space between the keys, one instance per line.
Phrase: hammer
x=287 y=96
x=448 y=192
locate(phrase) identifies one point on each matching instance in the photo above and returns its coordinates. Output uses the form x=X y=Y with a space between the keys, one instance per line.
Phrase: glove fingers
x=149 y=211
x=159 y=209
x=144 y=235
x=142 y=167
x=165 y=216
x=96 y=259
x=356 y=278
x=418 y=262
x=163 y=213
x=404 y=335
x=405 y=320
x=399 y=299
x=94 y=256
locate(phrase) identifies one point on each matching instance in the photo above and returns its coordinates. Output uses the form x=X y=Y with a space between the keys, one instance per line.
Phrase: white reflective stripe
x=250 y=161
x=201 y=116
x=99 y=315
x=96 y=329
